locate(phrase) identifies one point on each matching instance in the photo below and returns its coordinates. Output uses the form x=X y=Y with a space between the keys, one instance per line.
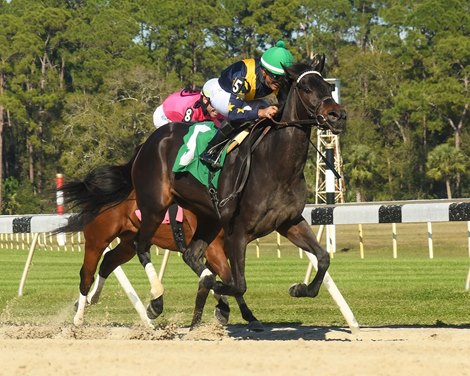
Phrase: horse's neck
x=288 y=148
x=294 y=139
x=293 y=107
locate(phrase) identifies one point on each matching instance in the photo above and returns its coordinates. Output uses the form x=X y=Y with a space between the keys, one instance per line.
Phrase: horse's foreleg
x=235 y=247
x=218 y=262
x=149 y=224
x=223 y=270
x=253 y=323
x=234 y=283
x=123 y=252
x=80 y=305
x=303 y=237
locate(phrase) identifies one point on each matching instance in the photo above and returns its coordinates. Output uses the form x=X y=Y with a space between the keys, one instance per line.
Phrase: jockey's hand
x=267 y=112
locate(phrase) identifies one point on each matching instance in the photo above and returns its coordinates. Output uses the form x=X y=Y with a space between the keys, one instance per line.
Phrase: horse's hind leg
x=91 y=258
x=193 y=255
x=119 y=255
x=150 y=222
x=300 y=233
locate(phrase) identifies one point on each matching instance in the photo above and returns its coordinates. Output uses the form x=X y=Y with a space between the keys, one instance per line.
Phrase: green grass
x=409 y=290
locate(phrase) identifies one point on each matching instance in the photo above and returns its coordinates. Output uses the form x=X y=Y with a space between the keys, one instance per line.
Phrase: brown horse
x=261 y=187
x=106 y=215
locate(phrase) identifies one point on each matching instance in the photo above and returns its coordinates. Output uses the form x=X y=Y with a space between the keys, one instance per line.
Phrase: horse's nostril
x=333 y=116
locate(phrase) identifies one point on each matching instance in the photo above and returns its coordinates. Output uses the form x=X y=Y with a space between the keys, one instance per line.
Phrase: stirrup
x=211 y=159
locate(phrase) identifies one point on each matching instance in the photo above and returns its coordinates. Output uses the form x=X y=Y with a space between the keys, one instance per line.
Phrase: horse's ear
x=290 y=73
x=318 y=62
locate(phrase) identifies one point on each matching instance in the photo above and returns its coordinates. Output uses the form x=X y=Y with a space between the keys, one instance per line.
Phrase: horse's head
x=313 y=96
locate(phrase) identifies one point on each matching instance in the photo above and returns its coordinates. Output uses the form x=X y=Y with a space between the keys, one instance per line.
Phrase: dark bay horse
x=107 y=214
x=261 y=187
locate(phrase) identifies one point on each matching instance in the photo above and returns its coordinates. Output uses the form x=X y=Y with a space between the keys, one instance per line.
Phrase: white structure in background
x=329 y=189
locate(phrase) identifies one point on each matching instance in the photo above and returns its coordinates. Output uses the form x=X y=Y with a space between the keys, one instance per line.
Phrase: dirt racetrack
x=214 y=350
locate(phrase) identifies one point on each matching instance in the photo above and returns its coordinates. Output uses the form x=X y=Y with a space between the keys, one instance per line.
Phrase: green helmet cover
x=275 y=57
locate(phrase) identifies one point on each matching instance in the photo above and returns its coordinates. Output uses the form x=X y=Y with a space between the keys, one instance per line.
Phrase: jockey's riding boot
x=212 y=152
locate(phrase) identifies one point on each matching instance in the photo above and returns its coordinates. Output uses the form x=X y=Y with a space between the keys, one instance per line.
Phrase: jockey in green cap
x=246 y=93
x=276 y=57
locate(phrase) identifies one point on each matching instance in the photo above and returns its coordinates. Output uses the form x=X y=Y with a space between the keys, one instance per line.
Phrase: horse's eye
x=307 y=90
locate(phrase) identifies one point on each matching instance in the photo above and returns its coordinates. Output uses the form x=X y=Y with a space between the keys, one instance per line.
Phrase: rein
x=327 y=162
x=315 y=120
x=242 y=178
x=242 y=173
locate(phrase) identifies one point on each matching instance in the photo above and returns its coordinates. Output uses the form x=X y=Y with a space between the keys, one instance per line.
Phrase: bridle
x=321 y=120
x=315 y=119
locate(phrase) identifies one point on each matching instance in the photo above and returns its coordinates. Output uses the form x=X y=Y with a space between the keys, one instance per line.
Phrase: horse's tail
x=103 y=186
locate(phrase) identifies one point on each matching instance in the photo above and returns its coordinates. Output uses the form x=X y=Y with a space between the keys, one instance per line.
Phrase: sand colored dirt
x=215 y=350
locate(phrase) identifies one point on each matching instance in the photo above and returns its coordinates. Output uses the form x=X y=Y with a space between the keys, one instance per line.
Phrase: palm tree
x=360 y=168
x=445 y=163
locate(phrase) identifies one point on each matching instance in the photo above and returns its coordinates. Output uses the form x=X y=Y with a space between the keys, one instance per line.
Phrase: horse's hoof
x=155 y=308
x=221 y=316
x=78 y=321
x=298 y=290
x=255 y=326
x=194 y=325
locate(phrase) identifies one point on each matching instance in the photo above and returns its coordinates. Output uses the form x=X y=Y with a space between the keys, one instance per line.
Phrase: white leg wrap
x=156 y=287
x=78 y=318
x=205 y=272
x=94 y=294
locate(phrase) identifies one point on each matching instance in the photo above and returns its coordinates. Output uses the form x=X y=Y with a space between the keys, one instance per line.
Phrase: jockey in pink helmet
x=188 y=106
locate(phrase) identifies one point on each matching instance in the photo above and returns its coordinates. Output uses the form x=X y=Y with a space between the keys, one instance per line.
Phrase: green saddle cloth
x=195 y=143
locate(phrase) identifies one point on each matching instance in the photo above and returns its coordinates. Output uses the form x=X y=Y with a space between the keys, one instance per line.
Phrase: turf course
x=410 y=290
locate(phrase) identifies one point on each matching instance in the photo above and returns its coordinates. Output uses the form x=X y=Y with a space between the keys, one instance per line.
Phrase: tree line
x=80 y=79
